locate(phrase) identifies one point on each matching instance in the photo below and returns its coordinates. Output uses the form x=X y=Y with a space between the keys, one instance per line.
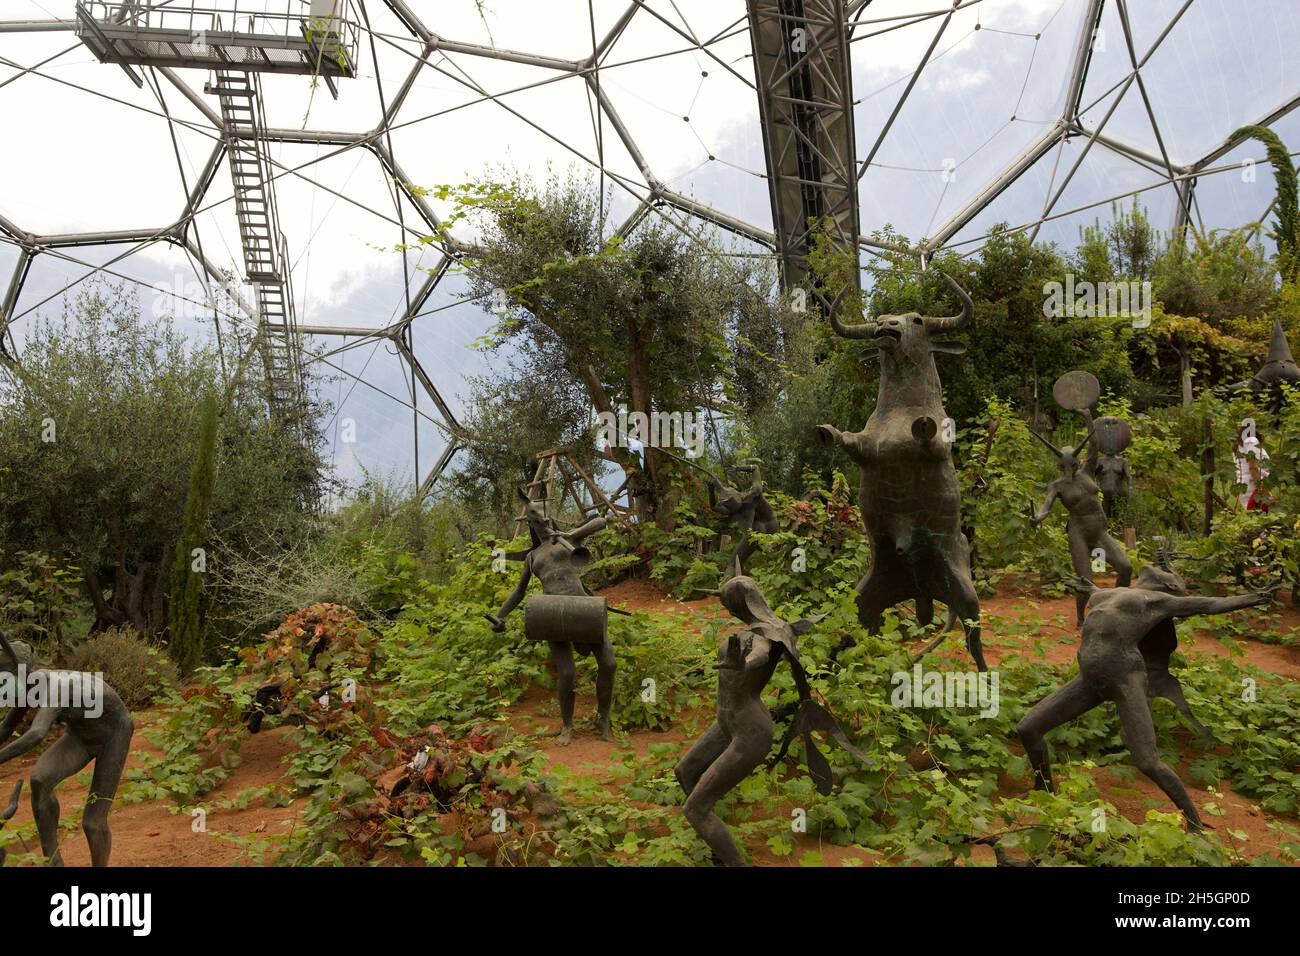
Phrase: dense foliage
x=98 y=437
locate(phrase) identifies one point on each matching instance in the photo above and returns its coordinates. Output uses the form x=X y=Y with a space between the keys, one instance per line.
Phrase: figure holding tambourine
x=565 y=614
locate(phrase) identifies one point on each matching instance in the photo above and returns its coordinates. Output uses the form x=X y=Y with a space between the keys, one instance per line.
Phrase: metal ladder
x=265 y=256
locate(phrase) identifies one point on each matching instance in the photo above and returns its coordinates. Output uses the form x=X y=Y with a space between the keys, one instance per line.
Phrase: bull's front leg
x=850 y=442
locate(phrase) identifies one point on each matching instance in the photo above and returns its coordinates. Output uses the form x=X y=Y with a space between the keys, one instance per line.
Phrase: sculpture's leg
x=1139 y=734
x=1119 y=560
x=1161 y=683
x=1070 y=700
x=966 y=604
x=924 y=610
x=879 y=588
x=697 y=760
x=744 y=547
x=736 y=566
x=66 y=757
x=745 y=752
x=606 y=666
x=1081 y=561
x=562 y=658
x=103 y=787
x=948 y=576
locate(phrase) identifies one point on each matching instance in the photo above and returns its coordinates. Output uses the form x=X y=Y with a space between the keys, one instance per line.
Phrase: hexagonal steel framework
x=813 y=164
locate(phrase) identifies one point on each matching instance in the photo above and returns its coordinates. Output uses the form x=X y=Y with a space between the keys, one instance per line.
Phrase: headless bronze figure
x=1115 y=480
x=104 y=738
x=1124 y=657
x=750 y=510
x=557 y=559
x=742 y=735
x=1087 y=528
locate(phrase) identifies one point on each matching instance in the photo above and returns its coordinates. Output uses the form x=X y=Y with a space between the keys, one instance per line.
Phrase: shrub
x=133 y=667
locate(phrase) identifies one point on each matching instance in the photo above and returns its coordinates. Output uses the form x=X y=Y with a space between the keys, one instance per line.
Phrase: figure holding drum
x=565 y=614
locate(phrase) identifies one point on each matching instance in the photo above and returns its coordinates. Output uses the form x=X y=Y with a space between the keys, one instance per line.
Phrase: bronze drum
x=575 y=619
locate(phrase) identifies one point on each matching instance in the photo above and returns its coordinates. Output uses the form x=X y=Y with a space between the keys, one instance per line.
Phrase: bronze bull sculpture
x=910 y=500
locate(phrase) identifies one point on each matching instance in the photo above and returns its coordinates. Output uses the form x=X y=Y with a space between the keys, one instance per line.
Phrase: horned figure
x=1123 y=656
x=910 y=501
x=742 y=735
x=1086 y=526
x=1279 y=368
x=557 y=558
x=98 y=728
x=1078 y=391
x=750 y=510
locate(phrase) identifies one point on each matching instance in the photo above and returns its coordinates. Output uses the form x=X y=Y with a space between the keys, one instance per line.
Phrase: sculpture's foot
x=601 y=724
x=564 y=736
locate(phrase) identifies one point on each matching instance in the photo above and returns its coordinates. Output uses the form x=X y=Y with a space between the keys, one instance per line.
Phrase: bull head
x=893 y=331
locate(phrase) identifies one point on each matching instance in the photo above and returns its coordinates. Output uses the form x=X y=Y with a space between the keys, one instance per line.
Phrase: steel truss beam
x=805 y=98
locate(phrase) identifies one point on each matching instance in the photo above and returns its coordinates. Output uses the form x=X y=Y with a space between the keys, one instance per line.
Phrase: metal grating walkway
x=323 y=43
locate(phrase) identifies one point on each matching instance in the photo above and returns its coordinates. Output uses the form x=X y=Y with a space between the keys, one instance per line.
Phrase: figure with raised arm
x=1087 y=527
x=741 y=737
x=557 y=559
x=750 y=510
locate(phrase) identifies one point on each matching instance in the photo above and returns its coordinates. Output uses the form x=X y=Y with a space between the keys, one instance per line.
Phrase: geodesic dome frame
x=826 y=137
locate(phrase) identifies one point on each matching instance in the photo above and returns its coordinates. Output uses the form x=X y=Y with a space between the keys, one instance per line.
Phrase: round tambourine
x=1111 y=434
x=1077 y=390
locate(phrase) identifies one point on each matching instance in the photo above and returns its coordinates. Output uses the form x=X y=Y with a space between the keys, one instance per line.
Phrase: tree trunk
x=638 y=387
x=636 y=485
x=1207 y=467
x=128 y=598
x=1185 y=368
x=106 y=615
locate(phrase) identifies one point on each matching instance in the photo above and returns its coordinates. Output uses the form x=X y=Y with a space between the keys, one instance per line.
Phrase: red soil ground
x=152 y=834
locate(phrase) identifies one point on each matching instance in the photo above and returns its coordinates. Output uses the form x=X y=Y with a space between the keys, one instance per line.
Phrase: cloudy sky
x=88 y=151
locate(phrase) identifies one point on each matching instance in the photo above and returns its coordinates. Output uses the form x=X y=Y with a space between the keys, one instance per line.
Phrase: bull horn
x=1086 y=438
x=951 y=323
x=864 y=331
x=1055 y=451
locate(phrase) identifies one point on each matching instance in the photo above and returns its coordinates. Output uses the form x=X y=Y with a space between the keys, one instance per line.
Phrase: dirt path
x=150 y=833
x=153 y=832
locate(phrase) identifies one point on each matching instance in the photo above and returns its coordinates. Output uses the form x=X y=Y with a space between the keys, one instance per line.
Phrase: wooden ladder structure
x=558 y=465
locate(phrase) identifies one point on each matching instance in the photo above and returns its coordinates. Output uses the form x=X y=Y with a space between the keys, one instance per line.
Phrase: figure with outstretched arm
x=1128 y=638
x=1086 y=528
x=98 y=728
x=557 y=558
